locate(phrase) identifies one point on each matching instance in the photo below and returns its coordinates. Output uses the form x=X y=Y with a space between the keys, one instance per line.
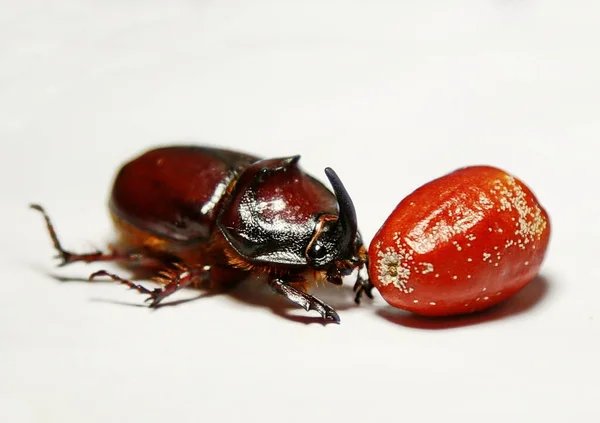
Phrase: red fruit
x=460 y=243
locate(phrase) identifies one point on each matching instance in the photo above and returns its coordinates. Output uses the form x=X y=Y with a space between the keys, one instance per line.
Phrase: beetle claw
x=155 y=297
x=333 y=316
x=64 y=257
x=326 y=311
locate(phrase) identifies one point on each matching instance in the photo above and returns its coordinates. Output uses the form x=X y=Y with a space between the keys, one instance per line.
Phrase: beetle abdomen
x=176 y=192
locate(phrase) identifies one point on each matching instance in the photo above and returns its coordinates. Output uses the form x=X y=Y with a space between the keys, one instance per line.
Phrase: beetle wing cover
x=271 y=215
x=175 y=192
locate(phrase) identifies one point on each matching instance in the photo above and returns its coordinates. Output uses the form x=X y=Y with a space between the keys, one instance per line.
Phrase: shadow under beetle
x=199 y=215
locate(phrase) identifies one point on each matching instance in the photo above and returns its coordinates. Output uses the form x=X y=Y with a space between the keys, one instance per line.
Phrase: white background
x=391 y=94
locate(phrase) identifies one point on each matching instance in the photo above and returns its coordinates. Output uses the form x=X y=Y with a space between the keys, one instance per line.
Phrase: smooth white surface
x=390 y=94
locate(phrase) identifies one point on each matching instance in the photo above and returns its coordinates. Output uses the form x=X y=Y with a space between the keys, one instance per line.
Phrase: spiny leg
x=174 y=279
x=139 y=288
x=68 y=257
x=304 y=300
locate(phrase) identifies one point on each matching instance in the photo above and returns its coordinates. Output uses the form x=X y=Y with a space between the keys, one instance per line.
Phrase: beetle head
x=337 y=244
x=279 y=215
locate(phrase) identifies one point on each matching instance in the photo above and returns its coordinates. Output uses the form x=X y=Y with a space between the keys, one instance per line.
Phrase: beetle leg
x=139 y=288
x=67 y=257
x=304 y=300
x=362 y=285
x=174 y=280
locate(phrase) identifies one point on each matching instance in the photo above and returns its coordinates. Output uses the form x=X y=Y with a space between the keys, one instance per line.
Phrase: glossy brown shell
x=176 y=192
x=273 y=212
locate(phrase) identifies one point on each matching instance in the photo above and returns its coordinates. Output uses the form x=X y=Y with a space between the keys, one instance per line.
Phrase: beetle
x=200 y=215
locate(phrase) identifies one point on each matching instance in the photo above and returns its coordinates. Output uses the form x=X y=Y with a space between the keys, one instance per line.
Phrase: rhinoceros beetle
x=198 y=215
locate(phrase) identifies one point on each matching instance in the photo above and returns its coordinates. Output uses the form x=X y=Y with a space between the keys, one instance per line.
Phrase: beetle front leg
x=304 y=300
x=362 y=286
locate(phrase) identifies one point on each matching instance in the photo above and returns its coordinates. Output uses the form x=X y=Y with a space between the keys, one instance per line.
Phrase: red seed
x=460 y=243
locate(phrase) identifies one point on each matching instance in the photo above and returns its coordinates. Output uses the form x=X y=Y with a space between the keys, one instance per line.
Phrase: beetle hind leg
x=173 y=279
x=139 y=288
x=68 y=257
x=304 y=300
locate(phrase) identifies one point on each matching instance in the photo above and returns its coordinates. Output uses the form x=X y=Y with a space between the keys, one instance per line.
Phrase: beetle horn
x=347 y=220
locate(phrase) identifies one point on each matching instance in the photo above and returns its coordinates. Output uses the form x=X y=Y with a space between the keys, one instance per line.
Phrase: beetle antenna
x=347 y=220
